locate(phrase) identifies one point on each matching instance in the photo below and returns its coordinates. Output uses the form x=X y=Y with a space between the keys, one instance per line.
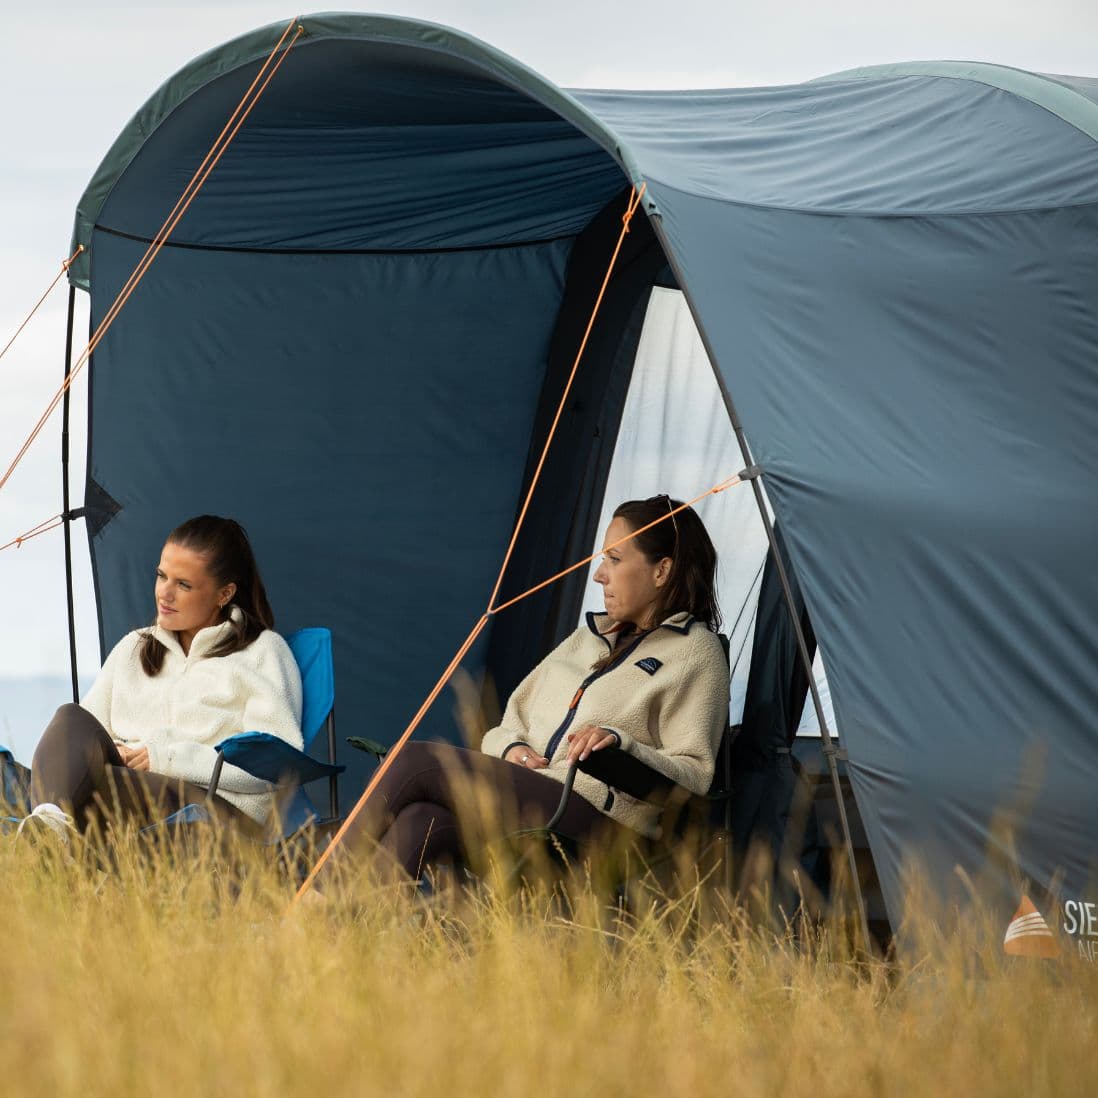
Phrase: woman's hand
x=136 y=758
x=524 y=755
x=588 y=739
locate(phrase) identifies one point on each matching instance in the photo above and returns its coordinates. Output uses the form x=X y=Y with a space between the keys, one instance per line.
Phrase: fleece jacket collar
x=603 y=626
x=205 y=640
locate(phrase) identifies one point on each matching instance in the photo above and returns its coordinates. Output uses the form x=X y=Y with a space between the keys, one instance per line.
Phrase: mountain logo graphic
x=1028 y=934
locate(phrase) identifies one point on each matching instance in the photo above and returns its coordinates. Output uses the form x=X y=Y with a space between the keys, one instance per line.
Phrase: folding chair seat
x=271 y=759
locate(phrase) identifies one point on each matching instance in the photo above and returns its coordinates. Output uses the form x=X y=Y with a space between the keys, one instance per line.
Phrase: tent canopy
x=352 y=338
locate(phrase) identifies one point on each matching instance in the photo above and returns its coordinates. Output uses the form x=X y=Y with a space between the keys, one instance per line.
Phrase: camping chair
x=14 y=789
x=273 y=760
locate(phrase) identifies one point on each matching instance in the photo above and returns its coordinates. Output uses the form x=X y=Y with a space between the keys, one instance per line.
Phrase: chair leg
x=569 y=781
x=333 y=781
x=215 y=777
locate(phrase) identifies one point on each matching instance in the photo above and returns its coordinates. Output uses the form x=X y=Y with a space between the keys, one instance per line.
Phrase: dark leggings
x=77 y=766
x=412 y=817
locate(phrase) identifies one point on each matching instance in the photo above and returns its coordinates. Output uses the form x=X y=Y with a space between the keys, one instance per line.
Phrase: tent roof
x=390 y=100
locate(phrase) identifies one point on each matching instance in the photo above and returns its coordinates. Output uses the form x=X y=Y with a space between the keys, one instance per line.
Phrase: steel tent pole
x=66 y=514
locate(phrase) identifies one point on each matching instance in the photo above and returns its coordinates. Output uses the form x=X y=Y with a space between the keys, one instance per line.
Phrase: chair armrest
x=618 y=769
x=621 y=771
x=269 y=758
x=371 y=747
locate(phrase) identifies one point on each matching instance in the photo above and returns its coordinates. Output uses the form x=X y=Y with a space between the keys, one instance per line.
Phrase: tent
x=358 y=333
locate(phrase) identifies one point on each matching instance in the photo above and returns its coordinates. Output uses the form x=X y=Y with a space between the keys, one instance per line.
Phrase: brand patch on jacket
x=650 y=664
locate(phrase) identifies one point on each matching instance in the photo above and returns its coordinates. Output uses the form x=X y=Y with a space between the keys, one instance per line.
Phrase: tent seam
x=245 y=249
x=877 y=215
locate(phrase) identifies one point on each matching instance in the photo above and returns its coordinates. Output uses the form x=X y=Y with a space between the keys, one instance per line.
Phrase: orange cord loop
x=632 y=209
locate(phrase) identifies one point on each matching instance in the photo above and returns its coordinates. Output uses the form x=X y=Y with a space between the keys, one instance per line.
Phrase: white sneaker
x=48 y=817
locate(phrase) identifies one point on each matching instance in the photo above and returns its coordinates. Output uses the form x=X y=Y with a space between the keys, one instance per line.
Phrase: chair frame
x=333 y=778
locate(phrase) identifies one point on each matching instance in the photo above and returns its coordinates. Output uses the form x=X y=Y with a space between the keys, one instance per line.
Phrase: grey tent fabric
x=894 y=274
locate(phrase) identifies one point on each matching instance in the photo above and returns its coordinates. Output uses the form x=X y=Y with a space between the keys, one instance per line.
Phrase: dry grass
x=167 y=975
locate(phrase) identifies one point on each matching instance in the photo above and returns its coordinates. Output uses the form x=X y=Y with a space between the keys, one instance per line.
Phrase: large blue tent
x=355 y=338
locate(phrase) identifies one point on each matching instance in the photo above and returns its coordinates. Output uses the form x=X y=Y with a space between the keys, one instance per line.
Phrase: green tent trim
x=1046 y=92
x=256 y=45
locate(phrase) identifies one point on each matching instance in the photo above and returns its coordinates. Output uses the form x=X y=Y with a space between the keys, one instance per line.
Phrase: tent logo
x=1081 y=923
x=1028 y=934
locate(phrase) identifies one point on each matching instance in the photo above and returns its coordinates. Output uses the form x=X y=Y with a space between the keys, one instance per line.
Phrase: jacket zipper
x=573 y=705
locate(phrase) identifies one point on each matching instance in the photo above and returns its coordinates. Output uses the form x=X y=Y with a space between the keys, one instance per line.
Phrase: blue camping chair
x=14 y=789
x=273 y=760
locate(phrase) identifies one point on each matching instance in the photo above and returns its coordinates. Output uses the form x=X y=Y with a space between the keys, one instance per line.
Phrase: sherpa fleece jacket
x=666 y=696
x=195 y=702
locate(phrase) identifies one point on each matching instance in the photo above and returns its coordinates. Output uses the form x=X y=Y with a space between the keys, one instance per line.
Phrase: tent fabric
x=778 y=682
x=892 y=273
x=764 y=779
x=1069 y=98
x=565 y=510
x=355 y=447
x=675 y=437
x=809 y=724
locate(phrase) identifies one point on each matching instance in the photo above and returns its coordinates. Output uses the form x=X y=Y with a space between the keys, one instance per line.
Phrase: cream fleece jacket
x=195 y=702
x=666 y=697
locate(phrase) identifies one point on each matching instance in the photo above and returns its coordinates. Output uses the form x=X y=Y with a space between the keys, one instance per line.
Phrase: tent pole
x=830 y=751
x=65 y=513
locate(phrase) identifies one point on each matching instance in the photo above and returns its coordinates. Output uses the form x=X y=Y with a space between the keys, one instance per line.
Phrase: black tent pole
x=830 y=751
x=65 y=513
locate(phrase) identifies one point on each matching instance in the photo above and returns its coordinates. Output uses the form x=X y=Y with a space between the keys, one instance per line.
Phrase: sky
x=72 y=74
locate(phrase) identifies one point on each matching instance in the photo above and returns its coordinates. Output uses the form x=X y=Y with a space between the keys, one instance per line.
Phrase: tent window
x=676 y=437
x=809 y=725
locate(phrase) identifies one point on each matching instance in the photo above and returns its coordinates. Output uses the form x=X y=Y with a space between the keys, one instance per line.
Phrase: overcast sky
x=71 y=74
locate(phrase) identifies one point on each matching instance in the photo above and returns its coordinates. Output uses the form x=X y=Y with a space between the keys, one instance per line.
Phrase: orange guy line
x=43 y=527
x=631 y=208
x=392 y=753
x=715 y=490
x=65 y=265
x=198 y=180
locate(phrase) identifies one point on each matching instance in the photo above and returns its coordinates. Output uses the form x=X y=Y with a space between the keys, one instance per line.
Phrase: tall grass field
x=145 y=968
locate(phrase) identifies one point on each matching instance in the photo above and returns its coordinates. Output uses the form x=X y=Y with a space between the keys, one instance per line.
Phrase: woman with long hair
x=648 y=676
x=140 y=745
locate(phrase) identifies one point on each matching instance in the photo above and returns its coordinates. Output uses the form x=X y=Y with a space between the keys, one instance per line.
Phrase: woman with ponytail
x=646 y=676
x=142 y=742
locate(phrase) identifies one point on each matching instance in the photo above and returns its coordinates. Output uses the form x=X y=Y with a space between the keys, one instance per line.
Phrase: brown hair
x=691 y=585
x=229 y=559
